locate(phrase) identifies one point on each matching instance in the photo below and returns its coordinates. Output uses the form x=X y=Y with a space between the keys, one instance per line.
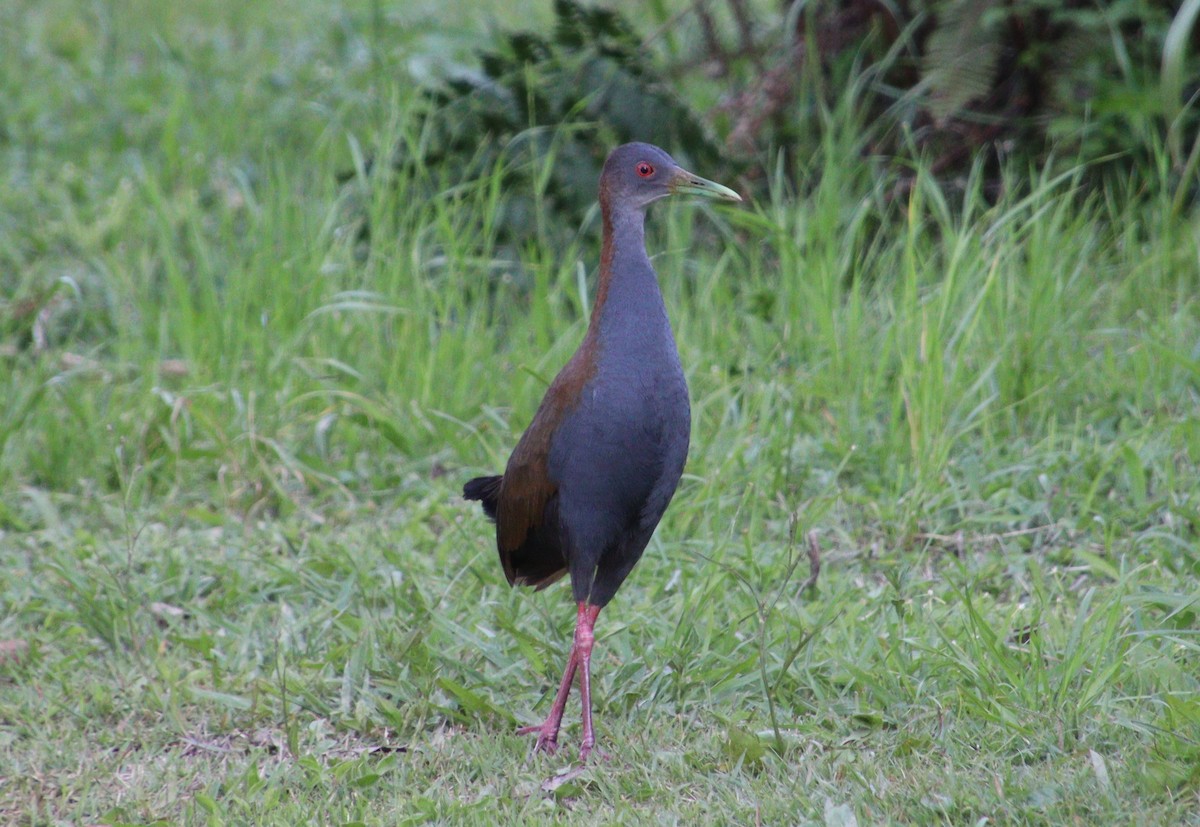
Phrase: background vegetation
x=261 y=315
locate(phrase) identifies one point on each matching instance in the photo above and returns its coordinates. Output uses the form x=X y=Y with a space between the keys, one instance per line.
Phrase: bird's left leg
x=547 y=733
x=584 y=638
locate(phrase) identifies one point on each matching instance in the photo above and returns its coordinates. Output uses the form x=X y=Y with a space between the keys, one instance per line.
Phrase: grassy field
x=237 y=581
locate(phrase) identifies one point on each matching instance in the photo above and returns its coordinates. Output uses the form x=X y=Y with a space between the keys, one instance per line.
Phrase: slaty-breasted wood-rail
x=591 y=477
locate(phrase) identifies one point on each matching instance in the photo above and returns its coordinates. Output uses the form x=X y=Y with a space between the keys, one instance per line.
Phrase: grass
x=237 y=582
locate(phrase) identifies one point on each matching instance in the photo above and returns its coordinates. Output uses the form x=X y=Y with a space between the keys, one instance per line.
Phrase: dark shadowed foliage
x=571 y=94
x=952 y=83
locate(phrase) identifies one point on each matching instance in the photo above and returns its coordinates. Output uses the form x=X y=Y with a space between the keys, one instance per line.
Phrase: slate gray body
x=618 y=455
x=592 y=475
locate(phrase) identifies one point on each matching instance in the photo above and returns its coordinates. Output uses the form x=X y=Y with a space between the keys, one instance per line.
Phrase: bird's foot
x=588 y=752
x=547 y=739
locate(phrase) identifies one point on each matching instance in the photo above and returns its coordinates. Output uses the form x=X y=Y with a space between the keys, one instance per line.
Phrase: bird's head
x=637 y=174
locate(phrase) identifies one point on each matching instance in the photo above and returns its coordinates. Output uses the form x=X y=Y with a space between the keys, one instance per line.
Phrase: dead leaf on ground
x=164 y=610
x=554 y=782
x=13 y=650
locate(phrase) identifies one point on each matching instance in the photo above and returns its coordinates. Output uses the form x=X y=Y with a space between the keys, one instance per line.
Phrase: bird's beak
x=685 y=183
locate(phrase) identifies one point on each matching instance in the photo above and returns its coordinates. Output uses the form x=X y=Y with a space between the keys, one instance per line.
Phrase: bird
x=591 y=477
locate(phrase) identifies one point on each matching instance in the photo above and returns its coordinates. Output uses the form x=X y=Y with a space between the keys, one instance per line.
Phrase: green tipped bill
x=685 y=183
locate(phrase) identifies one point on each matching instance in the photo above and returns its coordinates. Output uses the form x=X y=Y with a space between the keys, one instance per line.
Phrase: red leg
x=547 y=740
x=584 y=638
x=581 y=655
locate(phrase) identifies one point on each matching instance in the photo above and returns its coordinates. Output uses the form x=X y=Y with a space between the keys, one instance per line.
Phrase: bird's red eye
x=645 y=170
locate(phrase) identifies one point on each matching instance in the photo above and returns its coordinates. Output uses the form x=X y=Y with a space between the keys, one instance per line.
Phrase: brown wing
x=527 y=533
x=529 y=547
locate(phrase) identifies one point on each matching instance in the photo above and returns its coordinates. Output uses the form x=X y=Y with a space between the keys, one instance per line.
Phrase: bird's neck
x=627 y=293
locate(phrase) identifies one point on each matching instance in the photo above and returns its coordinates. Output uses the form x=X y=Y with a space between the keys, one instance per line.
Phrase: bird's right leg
x=584 y=639
x=547 y=733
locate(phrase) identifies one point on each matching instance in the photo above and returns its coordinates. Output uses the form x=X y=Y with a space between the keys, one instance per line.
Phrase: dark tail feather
x=486 y=490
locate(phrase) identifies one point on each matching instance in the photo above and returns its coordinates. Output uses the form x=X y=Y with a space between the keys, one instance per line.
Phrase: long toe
x=547 y=737
x=587 y=754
